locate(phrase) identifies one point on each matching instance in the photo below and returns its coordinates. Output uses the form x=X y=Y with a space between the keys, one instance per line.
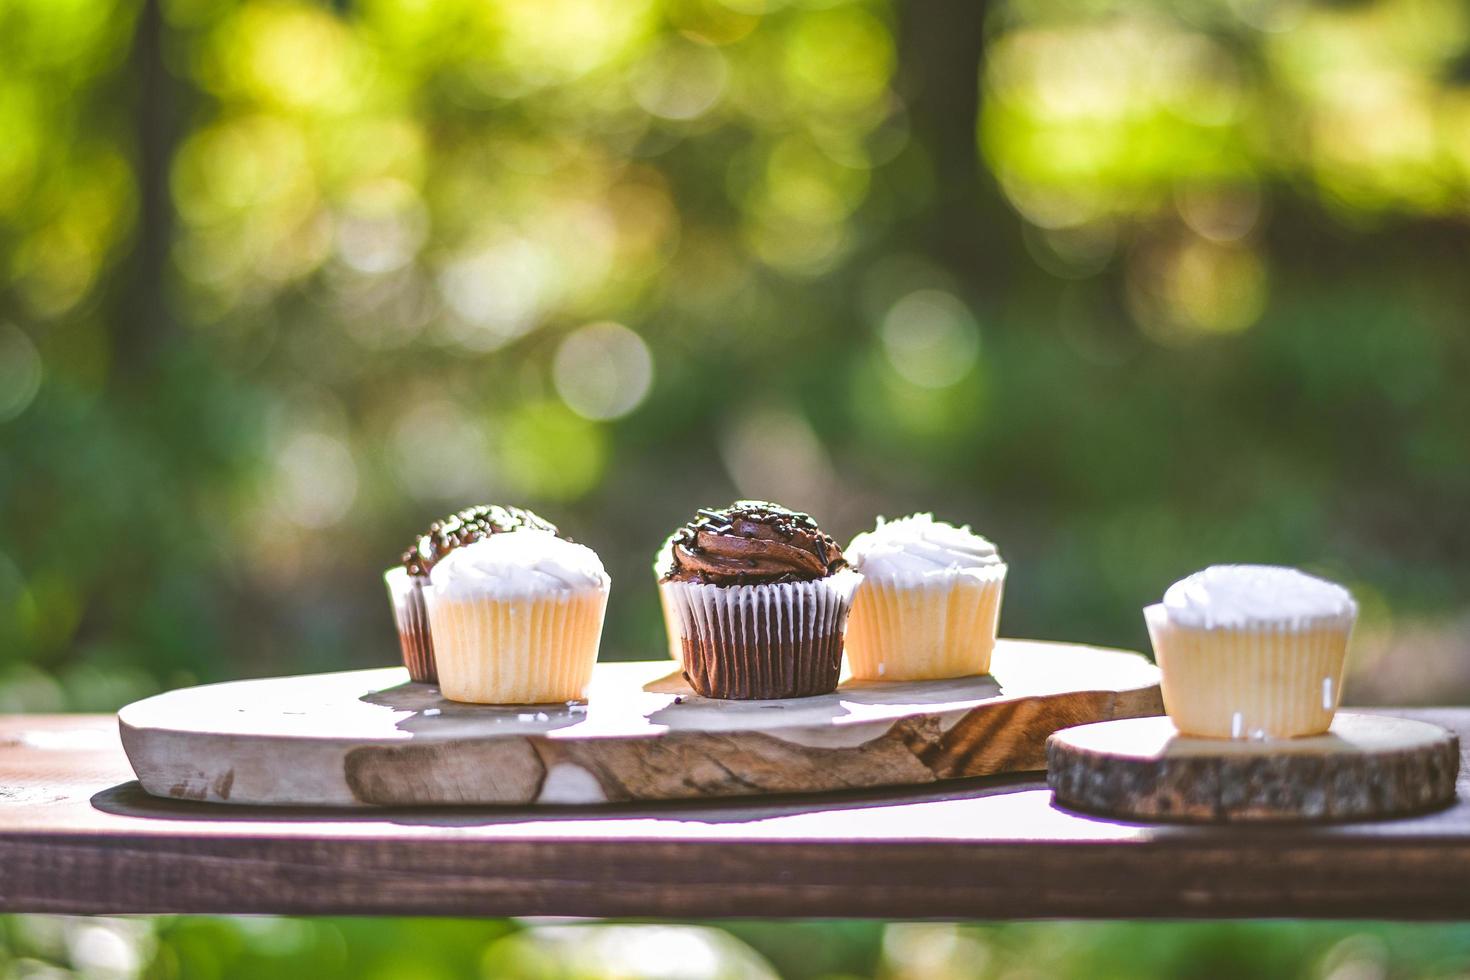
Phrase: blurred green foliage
x=419 y=949
x=1131 y=287
x=282 y=281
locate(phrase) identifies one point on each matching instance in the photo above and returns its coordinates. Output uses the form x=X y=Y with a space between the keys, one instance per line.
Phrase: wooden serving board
x=1365 y=767
x=370 y=738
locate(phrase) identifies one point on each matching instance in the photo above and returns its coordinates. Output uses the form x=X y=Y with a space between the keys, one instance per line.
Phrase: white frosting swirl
x=1241 y=596
x=919 y=545
x=520 y=563
x=663 y=562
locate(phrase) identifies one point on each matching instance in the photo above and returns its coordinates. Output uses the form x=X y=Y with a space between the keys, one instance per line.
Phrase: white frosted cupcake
x=1252 y=651
x=517 y=618
x=928 y=603
x=407 y=581
x=662 y=562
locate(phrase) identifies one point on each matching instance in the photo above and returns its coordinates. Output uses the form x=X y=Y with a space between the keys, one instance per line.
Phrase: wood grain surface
x=77 y=834
x=371 y=738
x=1367 y=766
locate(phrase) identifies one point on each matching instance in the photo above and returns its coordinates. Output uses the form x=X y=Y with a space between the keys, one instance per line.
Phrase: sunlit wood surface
x=77 y=834
x=370 y=738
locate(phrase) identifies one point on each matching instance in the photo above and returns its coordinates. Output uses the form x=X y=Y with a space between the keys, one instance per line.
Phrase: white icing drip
x=520 y=563
x=920 y=545
x=1241 y=596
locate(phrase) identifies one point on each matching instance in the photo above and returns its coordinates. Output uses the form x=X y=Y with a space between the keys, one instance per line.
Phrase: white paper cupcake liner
x=538 y=649
x=925 y=626
x=752 y=642
x=412 y=616
x=671 y=627
x=1276 y=680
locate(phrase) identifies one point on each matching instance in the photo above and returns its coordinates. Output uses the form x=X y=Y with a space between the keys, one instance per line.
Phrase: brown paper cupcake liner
x=759 y=642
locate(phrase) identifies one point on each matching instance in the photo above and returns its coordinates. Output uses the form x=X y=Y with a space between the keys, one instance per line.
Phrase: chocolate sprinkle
x=808 y=553
x=465 y=526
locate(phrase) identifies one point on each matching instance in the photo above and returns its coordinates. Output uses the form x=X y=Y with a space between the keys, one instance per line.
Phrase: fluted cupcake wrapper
x=1281 y=680
x=925 y=627
x=412 y=616
x=671 y=626
x=756 y=642
x=517 y=650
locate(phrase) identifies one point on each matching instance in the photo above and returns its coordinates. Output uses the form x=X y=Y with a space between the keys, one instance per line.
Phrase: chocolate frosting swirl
x=470 y=524
x=750 y=542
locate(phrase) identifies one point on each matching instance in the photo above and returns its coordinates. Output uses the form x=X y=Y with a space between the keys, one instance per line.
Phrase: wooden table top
x=77 y=834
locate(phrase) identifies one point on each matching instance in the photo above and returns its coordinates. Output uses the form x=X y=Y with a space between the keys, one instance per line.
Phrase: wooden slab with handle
x=370 y=738
x=1366 y=767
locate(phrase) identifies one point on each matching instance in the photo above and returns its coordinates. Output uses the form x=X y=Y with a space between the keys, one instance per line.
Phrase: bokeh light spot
x=548 y=451
x=680 y=80
x=1185 y=290
x=916 y=420
x=110 y=949
x=930 y=338
x=381 y=227
x=440 y=453
x=773 y=453
x=295 y=56
x=1221 y=214
x=932 y=949
x=648 y=952
x=561 y=39
x=603 y=370
x=316 y=479
x=498 y=293
x=803 y=184
x=840 y=58
x=20 y=372
x=1198 y=79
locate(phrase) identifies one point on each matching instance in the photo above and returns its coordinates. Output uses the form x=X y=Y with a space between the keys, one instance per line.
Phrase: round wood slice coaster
x=1366 y=767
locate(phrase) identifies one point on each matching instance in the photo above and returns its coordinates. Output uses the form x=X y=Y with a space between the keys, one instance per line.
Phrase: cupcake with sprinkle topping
x=756 y=597
x=406 y=582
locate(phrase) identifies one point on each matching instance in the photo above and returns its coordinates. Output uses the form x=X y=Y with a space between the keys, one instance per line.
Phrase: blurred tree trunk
x=145 y=323
x=968 y=228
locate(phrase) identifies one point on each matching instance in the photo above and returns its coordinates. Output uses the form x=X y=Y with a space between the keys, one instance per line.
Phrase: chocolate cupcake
x=758 y=596
x=406 y=581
